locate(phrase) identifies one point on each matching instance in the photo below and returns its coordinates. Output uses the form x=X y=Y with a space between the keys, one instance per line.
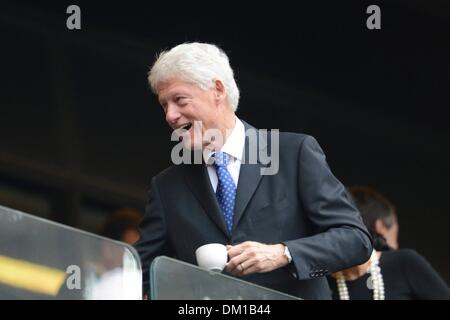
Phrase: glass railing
x=41 y=259
x=171 y=279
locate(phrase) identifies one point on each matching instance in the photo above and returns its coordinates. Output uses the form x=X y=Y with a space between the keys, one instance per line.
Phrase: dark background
x=81 y=133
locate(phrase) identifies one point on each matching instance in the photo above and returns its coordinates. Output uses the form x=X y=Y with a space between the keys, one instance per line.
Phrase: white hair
x=198 y=63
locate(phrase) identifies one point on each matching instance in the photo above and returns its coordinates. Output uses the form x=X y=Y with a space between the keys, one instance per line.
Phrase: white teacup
x=212 y=256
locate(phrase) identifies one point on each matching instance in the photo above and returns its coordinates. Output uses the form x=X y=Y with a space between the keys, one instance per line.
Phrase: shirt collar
x=234 y=146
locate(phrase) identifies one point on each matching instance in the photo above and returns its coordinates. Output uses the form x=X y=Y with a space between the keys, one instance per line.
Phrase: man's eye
x=180 y=99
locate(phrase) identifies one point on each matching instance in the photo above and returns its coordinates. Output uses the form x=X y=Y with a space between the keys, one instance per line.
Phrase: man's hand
x=254 y=257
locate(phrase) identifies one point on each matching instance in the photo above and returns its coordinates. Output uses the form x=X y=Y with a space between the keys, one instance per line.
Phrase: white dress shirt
x=234 y=147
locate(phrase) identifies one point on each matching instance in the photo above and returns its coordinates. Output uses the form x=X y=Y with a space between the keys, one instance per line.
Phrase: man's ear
x=220 y=91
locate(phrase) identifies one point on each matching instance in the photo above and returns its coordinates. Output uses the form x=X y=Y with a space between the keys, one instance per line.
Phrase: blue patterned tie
x=226 y=189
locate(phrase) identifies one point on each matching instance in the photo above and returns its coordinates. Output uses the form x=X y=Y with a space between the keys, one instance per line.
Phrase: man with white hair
x=284 y=230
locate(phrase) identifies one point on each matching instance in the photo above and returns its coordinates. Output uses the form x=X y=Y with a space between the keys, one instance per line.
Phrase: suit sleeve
x=152 y=242
x=340 y=239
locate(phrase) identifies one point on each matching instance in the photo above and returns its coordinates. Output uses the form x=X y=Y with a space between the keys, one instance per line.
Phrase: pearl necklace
x=375 y=274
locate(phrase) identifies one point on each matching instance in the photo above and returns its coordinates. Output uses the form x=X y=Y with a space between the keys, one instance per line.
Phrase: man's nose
x=172 y=115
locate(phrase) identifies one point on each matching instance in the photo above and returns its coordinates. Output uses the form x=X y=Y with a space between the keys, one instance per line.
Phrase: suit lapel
x=249 y=177
x=198 y=181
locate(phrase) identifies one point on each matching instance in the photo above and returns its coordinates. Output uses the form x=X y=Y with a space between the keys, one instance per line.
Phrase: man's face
x=185 y=103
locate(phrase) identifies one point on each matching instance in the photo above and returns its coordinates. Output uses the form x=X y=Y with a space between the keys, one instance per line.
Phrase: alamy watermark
x=73 y=281
x=374 y=20
x=73 y=22
x=196 y=142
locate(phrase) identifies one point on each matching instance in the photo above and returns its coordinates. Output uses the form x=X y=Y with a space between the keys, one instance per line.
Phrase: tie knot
x=220 y=159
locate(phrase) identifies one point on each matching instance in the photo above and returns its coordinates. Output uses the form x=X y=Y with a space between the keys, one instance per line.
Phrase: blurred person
x=401 y=274
x=110 y=278
x=379 y=215
x=123 y=225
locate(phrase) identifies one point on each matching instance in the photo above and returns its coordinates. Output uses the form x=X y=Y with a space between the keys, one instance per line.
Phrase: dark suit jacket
x=303 y=206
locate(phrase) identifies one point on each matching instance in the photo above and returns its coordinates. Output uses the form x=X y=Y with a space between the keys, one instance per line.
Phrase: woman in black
x=406 y=276
x=399 y=274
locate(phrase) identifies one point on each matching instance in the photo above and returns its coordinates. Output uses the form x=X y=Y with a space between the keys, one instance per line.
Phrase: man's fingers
x=244 y=258
x=234 y=266
x=249 y=266
x=254 y=258
x=239 y=248
x=235 y=250
x=243 y=264
x=250 y=270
